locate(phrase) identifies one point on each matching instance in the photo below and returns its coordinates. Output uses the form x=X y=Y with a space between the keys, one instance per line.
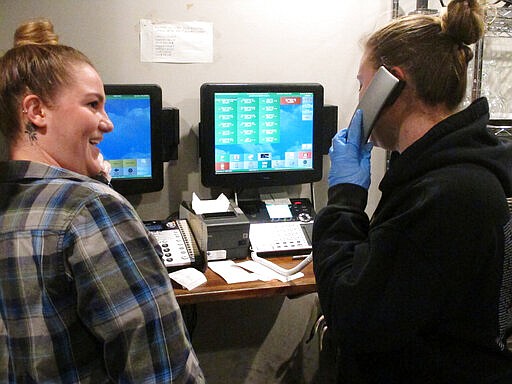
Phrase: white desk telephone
x=280 y=238
x=179 y=247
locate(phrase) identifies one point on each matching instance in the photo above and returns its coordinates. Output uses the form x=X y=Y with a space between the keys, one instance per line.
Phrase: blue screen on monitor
x=263 y=131
x=134 y=147
x=128 y=146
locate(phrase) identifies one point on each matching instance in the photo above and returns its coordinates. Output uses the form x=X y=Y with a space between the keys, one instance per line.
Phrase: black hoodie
x=422 y=293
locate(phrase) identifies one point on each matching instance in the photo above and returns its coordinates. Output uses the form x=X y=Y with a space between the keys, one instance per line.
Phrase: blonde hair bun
x=38 y=31
x=463 y=21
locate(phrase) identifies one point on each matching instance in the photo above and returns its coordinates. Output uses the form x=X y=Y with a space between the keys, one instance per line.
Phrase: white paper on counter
x=267 y=274
x=188 y=278
x=231 y=272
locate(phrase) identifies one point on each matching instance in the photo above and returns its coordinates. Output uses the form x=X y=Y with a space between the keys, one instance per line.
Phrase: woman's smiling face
x=76 y=122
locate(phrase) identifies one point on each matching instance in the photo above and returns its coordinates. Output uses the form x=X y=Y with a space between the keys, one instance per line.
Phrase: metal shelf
x=499 y=22
x=502 y=128
x=498 y=25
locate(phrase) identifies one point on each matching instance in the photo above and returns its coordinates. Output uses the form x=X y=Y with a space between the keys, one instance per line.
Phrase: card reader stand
x=300 y=209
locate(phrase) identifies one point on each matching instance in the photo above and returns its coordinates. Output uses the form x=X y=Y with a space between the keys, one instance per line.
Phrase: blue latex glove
x=350 y=161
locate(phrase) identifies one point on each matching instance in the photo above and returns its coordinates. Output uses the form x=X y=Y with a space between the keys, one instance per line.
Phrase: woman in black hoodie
x=422 y=292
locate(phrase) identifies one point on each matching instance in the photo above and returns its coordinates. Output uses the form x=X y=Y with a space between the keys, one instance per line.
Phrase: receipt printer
x=221 y=235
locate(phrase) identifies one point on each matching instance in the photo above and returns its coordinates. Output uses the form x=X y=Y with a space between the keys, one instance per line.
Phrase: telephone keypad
x=278 y=237
x=174 y=251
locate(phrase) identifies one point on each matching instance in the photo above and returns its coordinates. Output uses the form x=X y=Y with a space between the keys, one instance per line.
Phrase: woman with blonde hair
x=422 y=292
x=84 y=296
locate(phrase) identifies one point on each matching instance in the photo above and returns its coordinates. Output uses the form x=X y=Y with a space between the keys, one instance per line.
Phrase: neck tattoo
x=31 y=131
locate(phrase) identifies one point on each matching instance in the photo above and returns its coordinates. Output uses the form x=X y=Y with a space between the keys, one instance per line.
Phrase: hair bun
x=463 y=21
x=39 y=31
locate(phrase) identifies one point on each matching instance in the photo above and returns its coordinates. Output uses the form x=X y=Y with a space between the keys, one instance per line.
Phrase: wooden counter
x=216 y=288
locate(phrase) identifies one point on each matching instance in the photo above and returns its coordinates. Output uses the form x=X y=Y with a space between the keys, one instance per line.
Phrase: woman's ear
x=398 y=72
x=33 y=109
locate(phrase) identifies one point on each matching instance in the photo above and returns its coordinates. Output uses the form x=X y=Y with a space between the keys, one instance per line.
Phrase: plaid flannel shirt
x=84 y=296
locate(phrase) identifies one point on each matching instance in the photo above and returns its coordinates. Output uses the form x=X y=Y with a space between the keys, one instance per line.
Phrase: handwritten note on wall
x=177 y=42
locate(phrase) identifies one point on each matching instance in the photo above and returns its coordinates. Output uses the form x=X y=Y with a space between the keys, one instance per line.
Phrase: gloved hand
x=350 y=161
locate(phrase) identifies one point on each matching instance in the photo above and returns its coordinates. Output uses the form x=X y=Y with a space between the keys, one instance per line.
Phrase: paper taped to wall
x=176 y=42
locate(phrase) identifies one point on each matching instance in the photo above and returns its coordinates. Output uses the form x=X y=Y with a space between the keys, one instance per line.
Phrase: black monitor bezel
x=240 y=181
x=156 y=182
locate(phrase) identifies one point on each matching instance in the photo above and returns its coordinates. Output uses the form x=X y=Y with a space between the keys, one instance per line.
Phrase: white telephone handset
x=382 y=91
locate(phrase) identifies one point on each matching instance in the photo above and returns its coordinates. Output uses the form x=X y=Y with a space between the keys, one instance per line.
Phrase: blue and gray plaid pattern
x=84 y=297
